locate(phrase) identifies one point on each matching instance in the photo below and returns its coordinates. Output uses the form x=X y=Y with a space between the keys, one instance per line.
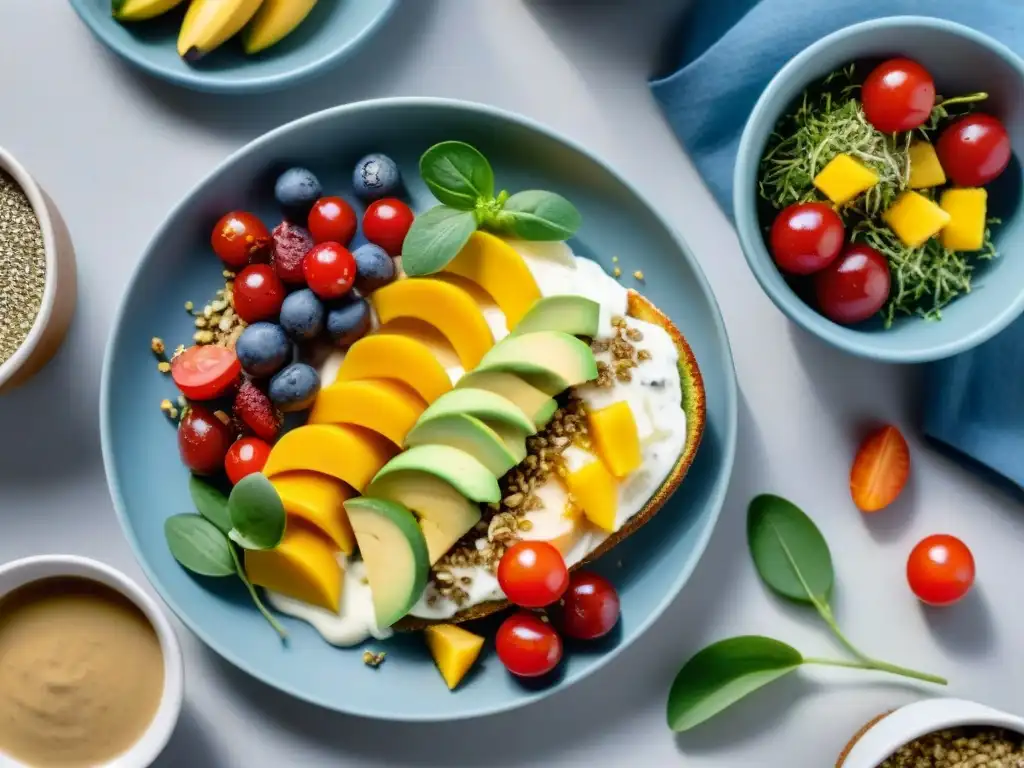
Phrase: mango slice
x=497 y=268
x=925 y=168
x=394 y=356
x=454 y=650
x=595 y=490
x=967 y=209
x=616 y=438
x=304 y=567
x=389 y=408
x=348 y=453
x=914 y=218
x=318 y=500
x=844 y=178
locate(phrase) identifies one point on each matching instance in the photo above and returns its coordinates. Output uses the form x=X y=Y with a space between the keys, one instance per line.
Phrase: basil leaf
x=791 y=555
x=210 y=502
x=257 y=514
x=198 y=545
x=435 y=238
x=539 y=215
x=256 y=597
x=723 y=673
x=457 y=174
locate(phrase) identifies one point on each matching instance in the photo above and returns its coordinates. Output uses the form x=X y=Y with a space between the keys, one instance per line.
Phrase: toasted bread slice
x=694 y=404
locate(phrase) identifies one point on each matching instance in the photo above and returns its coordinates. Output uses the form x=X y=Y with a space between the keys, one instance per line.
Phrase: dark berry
x=296 y=190
x=263 y=349
x=291 y=244
x=376 y=176
x=295 y=387
x=348 y=321
x=374 y=268
x=302 y=315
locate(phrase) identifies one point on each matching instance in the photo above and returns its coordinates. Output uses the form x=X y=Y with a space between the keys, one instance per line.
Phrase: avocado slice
x=482 y=404
x=457 y=468
x=513 y=439
x=575 y=315
x=395 y=553
x=445 y=515
x=553 y=361
x=530 y=400
x=469 y=434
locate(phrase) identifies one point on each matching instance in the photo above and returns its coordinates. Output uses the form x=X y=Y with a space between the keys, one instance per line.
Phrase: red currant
x=330 y=270
x=259 y=293
x=386 y=223
x=332 y=220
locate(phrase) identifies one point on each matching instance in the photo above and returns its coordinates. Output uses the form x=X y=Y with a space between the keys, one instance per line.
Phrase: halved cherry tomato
x=853 y=287
x=203 y=440
x=898 y=95
x=880 y=469
x=246 y=456
x=386 y=223
x=940 y=569
x=532 y=574
x=527 y=645
x=590 y=607
x=974 y=150
x=239 y=238
x=332 y=220
x=806 y=238
x=206 y=372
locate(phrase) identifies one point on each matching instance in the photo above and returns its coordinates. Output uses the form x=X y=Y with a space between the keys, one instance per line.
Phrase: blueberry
x=296 y=191
x=294 y=388
x=348 y=321
x=302 y=315
x=374 y=268
x=376 y=176
x=263 y=349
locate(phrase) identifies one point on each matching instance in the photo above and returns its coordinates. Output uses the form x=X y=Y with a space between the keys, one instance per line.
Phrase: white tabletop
x=116 y=150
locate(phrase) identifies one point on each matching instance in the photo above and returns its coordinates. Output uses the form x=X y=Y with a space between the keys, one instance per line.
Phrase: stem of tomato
x=878 y=666
x=969 y=99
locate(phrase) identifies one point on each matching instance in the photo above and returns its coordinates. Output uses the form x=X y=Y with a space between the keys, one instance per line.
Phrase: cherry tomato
x=528 y=646
x=259 y=293
x=974 y=150
x=855 y=286
x=330 y=270
x=591 y=606
x=940 y=569
x=386 y=223
x=898 y=95
x=203 y=440
x=532 y=574
x=246 y=456
x=880 y=470
x=239 y=237
x=806 y=238
x=332 y=220
x=206 y=372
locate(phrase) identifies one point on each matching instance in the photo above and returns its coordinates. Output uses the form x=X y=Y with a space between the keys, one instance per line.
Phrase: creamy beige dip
x=81 y=673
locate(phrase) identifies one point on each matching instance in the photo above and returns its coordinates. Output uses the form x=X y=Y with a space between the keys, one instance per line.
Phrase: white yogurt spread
x=654 y=395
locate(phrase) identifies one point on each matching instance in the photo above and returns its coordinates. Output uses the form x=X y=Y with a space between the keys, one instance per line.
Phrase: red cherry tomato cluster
x=533 y=575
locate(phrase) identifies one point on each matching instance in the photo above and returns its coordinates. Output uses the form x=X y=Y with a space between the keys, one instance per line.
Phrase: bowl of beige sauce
x=90 y=668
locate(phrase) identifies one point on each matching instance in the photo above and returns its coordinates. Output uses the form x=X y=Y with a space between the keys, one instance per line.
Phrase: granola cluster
x=217 y=322
x=625 y=356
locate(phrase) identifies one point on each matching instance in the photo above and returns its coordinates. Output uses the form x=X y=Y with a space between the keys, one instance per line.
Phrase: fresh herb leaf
x=457 y=174
x=210 y=502
x=539 y=215
x=198 y=545
x=791 y=555
x=257 y=514
x=256 y=596
x=435 y=238
x=723 y=673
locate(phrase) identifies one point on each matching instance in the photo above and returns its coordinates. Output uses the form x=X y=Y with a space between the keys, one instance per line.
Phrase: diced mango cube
x=844 y=178
x=454 y=650
x=614 y=432
x=925 y=168
x=595 y=490
x=967 y=209
x=914 y=218
x=304 y=566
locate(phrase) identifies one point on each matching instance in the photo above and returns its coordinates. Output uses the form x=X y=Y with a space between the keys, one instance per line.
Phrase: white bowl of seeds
x=940 y=733
x=37 y=275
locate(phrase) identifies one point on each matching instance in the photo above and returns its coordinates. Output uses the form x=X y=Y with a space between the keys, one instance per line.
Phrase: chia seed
x=22 y=267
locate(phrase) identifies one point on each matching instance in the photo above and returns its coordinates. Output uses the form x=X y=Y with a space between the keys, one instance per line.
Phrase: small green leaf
x=539 y=215
x=257 y=514
x=210 y=502
x=457 y=174
x=435 y=238
x=198 y=545
x=791 y=555
x=723 y=673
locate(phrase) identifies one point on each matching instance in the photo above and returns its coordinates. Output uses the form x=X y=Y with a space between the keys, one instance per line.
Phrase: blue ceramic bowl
x=333 y=30
x=962 y=61
x=148 y=482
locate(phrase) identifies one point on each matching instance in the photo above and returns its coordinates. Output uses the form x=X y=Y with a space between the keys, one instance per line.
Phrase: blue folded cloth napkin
x=727 y=53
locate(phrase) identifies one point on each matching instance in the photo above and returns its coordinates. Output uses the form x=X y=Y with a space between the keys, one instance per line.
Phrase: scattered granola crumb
x=638 y=275
x=189 y=306
x=163 y=366
x=374 y=660
x=157 y=345
x=223 y=417
x=616 y=272
x=643 y=355
x=169 y=410
x=615 y=259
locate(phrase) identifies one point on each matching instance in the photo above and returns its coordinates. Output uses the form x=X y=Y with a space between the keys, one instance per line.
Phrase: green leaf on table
x=539 y=215
x=257 y=514
x=210 y=502
x=435 y=238
x=791 y=555
x=457 y=174
x=723 y=673
x=199 y=545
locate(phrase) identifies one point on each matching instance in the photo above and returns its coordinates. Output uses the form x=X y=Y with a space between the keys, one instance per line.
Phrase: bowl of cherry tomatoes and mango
x=832 y=273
